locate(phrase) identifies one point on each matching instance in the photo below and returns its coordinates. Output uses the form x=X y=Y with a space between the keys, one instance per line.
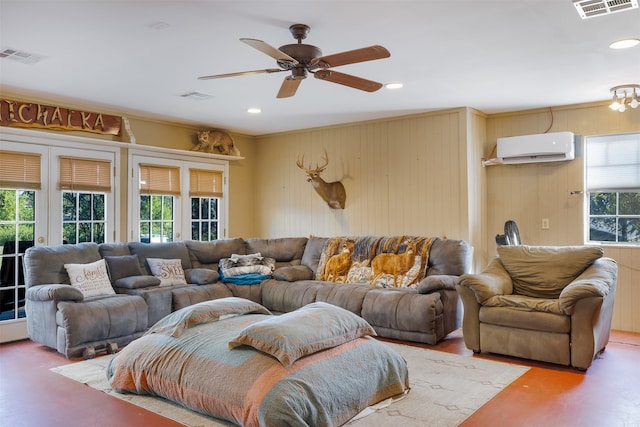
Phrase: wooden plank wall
x=528 y=193
x=402 y=176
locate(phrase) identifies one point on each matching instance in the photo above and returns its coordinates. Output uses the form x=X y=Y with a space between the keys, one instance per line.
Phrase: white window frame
x=111 y=219
x=182 y=203
x=619 y=187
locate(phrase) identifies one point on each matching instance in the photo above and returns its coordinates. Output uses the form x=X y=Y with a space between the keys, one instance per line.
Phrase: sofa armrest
x=437 y=282
x=201 y=276
x=293 y=273
x=54 y=292
x=494 y=280
x=136 y=282
x=596 y=281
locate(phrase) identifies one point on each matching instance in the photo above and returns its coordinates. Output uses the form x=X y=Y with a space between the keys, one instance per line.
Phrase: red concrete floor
x=607 y=395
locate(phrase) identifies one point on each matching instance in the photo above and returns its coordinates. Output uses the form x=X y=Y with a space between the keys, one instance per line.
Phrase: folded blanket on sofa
x=246 y=269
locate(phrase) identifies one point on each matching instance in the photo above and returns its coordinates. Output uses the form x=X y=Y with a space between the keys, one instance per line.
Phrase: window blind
x=78 y=174
x=158 y=179
x=20 y=170
x=205 y=183
x=613 y=162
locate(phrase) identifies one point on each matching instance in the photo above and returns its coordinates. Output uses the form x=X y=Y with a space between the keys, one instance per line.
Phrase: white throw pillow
x=169 y=271
x=91 y=279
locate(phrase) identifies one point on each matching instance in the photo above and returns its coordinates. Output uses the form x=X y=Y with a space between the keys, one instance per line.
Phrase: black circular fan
x=511 y=236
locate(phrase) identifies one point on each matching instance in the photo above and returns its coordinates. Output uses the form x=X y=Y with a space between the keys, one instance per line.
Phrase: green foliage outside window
x=614 y=217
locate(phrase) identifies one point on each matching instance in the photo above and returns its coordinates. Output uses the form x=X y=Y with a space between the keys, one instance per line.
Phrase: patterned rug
x=445 y=390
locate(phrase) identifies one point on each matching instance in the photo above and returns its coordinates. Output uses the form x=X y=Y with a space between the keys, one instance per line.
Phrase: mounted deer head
x=331 y=192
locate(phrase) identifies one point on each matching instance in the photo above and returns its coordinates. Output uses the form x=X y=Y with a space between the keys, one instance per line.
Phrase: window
x=177 y=197
x=205 y=190
x=613 y=188
x=158 y=185
x=84 y=184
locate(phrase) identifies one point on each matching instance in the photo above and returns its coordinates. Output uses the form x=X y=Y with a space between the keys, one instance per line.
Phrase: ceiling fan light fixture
x=393 y=86
x=254 y=110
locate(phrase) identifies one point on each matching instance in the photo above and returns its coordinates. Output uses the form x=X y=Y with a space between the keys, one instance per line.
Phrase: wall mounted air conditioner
x=544 y=147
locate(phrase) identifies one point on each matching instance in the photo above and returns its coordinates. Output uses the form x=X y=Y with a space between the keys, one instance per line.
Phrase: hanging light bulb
x=614 y=102
x=622 y=107
x=634 y=99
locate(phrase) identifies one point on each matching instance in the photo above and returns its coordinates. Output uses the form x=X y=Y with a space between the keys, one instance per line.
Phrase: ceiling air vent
x=20 y=55
x=198 y=96
x=592 y=8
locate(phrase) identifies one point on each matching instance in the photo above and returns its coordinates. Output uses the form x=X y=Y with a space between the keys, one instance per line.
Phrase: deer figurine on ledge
x=331 y=192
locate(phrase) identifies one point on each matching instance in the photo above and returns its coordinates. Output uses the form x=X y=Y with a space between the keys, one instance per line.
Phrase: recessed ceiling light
x=624 y=44
x=254 y=110
x=394 y=86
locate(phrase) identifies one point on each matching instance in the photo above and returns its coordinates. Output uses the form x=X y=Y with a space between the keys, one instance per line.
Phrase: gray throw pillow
x=122 y=266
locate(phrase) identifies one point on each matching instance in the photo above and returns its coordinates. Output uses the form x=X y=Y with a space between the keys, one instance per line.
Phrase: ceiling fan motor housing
x=303 y=53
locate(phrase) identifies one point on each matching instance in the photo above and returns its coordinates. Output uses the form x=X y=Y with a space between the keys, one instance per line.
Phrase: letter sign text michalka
x=32 y=115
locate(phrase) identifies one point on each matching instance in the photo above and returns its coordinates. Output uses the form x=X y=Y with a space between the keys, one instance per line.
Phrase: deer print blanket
x=353 y=260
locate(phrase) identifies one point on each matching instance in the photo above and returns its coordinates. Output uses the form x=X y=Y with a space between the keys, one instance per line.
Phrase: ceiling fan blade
x=289 y=87
x=351 y=57
x=347 y=80
x=241 y=73
x=269 y=50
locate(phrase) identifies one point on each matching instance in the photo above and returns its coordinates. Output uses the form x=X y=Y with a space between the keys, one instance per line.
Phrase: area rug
x=445 y=390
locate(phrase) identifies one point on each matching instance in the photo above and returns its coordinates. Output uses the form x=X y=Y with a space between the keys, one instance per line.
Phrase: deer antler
x=325 y=157
x=318 y=169
x=300 y=164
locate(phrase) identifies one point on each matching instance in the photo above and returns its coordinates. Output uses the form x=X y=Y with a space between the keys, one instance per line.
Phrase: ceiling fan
x=301 y=59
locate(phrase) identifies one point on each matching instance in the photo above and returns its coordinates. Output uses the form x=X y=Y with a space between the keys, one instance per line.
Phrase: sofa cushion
x=544 y=271
x=123 y=266
x=169 y=271
x=312 y=328
x=450 y=257
x=283 y=250
x=168 y=250
x=207 y=254
x=293 y=273
x=113 y=249
x=137 y=282
x=45 y=264
x=201 y=276
x=312 y=252
x=91 y=279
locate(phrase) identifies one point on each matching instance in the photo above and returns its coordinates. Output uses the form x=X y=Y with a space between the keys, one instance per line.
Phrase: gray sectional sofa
x=60 y=317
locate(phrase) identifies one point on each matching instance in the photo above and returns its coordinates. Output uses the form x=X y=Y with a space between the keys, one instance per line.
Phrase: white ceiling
x=138 y=57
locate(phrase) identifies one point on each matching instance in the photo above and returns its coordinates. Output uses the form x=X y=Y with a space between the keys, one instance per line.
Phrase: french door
x=23 y=223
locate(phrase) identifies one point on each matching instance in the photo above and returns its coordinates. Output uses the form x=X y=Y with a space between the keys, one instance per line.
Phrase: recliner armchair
x=551 y=304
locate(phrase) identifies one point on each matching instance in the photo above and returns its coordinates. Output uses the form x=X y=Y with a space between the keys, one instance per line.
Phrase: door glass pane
x=98 y=207
x=158 y=223
x=27 y=208
x=17 y=225
x=83 y=218
x=84 y=206
x=204 y=222
x=145 y=207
